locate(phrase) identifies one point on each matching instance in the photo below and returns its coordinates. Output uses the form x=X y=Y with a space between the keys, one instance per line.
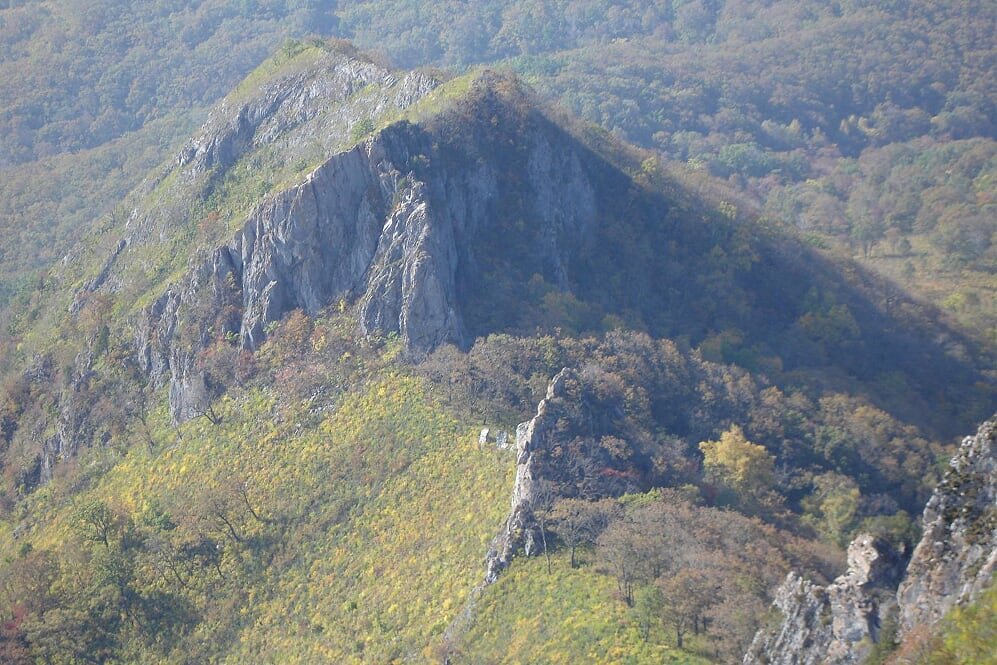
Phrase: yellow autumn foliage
x=734 y=461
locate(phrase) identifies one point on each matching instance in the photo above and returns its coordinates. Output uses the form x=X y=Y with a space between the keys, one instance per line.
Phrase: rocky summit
x=385 y=224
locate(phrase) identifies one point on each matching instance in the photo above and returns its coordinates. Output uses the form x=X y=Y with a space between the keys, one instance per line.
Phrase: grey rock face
x=956 y=557
x=313 y=242
x=521 y=531
x=74 y=424
x=355 y=229
x=952 y=564
x=804 y=635
x=168 y=356
x=367 y=228
x=411 y=280
x=834 y=624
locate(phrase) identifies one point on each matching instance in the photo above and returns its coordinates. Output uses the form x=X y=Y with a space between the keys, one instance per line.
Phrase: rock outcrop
x=954 y=561
x=355 y=227
x=521 y=532
x=574 y=447
x=957 y=554
x=837 y=624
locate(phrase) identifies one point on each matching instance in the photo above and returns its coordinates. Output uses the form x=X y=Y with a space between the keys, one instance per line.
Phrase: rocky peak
x=395 y=225
x=835 y=624
x=956 y=557
x=872 y=562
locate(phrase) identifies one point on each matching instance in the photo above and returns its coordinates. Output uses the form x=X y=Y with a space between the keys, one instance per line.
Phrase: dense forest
x=762 y=339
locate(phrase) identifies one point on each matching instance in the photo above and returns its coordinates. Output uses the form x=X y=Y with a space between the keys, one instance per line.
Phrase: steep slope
x=778 y=98
x=434 y=227
x=298 y=107
x=94 y=95
x=345 y=529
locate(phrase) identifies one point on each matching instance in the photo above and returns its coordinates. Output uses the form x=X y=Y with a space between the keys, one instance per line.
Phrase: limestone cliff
x=384 y=226
x=355 y=226
x=837 y=624
x=956 y=557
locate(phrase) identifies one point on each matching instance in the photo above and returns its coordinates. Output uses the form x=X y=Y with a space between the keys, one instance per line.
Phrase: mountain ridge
x=561 y=191
x=432 y=227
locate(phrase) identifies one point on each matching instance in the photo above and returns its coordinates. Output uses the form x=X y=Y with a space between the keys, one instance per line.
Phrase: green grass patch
x=572 y=615
x=294 y=56
x=380 y=514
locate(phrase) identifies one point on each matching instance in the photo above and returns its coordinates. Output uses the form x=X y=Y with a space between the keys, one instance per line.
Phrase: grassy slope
x=573 y=615
x=388 y=580
x=389 y=505
x=46 y=206
x=969 y=296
